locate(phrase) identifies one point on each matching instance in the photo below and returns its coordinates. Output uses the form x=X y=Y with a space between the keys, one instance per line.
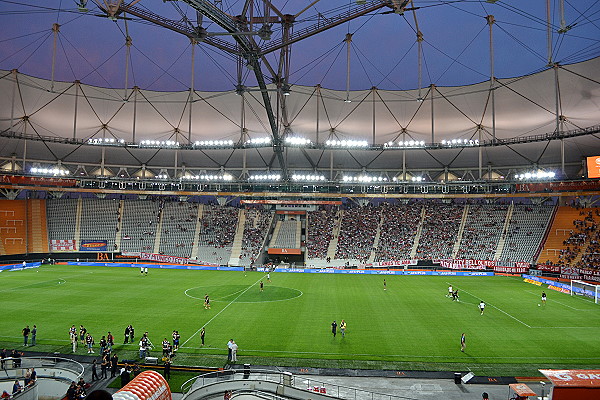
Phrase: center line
x=223 y=309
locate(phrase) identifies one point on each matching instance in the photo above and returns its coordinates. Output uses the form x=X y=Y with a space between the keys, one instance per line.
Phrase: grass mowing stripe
x=223 y=309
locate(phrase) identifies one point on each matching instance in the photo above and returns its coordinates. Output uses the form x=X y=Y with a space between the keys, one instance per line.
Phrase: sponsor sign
x=537 y=283
x=396 y=263
x=294 y=202
x=467 y=264
x=511 y=270
x=593 y=167
x=548 y=268
x=573 y=377
x=273 y=250
x=93 y=245
x=559 y=289
x=62 y=245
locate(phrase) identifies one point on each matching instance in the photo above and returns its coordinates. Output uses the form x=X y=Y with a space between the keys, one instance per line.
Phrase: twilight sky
x=383 y=51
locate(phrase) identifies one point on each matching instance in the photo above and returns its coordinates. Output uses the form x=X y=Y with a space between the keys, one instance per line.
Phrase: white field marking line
x=563 y=304
x=400 y=355
x=223 y=309
x=37 y=283
x=247 y=302
x=502 y=311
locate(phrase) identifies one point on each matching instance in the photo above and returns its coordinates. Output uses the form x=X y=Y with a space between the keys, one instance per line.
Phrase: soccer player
x=450 y=291
x=343 y=328
x=481 y=307
x=202 y=333
x=176 y=337
x=141 y=269
x=463 y=342
x=334 y=328
x=455 y=295
x=206 y=302
x=544 y=298
x=268 y=277
x=384 y=285
x=261 y=286
x=166 y=348
x=146 y=271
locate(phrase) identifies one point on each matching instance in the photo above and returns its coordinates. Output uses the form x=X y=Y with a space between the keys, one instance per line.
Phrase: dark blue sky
x=383 y=51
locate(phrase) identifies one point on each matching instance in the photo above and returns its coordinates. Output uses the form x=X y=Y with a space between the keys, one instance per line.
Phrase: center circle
x=243 y=294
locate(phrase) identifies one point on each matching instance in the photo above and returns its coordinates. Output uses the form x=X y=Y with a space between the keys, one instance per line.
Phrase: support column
x=77 y=83
x=403 y=155
x=14 y=94
x=318 y=95
x=490 y=20
x=133 y=129
x=348 y=41
x=548 y=32
x=480 y=148
x=191 y=98
x=128 y=42
x=373 y=90
x=55 y=30
x=432 y=114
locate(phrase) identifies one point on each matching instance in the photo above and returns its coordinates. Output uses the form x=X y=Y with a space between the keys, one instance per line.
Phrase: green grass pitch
x=411 y=325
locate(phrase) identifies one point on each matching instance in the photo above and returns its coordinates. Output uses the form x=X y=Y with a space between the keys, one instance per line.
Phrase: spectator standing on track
x=89 y=342
x=131 y=333
x=94 y=370
x=114 y=361
x=82 y=332
x=26 y=332
x=234 y=349
x=126 y=335
x=33 y=335
x=202 y=333
x=229 y=344
x=334 y=328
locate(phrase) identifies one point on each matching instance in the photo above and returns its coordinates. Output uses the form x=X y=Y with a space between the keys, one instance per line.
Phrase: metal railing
x=285 y=378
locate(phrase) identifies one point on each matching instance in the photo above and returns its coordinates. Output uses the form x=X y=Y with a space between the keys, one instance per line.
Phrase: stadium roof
x=547 y=117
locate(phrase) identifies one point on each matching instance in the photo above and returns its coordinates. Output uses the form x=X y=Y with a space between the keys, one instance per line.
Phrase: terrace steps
x=194 y=254
x=461 y=229
x=413 y=251
x=236 y=247
x=559 y=232
x=502 y=240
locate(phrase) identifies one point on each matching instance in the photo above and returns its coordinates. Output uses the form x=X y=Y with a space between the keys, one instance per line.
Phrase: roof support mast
x=490 y=20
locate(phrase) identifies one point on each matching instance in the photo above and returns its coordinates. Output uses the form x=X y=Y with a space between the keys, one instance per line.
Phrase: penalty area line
x=223 y=309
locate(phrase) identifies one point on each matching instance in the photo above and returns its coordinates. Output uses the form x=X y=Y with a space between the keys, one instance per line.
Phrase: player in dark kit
x=463 y=342
x=334 y=328
x=261 y=286
x=206 y=302
x=202 y=333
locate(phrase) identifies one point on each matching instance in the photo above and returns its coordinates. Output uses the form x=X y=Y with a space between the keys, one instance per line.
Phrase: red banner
x=512 y=270
x=296 y=202
x=467 y=264
x=41 y=181
x=573 y=377
x=548 y=268
x=395 y=263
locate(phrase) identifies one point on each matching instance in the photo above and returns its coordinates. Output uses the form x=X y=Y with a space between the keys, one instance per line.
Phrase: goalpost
x=581 y=288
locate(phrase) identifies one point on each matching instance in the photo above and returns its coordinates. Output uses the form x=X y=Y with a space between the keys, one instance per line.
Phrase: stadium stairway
x=336 y=234
x=158 y=235
x=236 y=248
x=376 y=240
x=502 y=240
x=78 y=222
x=413 y=251
x=37 y=225
x=559 y=232
x=13 y=229
x=118 y=234
x=194 y=254
x=461 y=229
